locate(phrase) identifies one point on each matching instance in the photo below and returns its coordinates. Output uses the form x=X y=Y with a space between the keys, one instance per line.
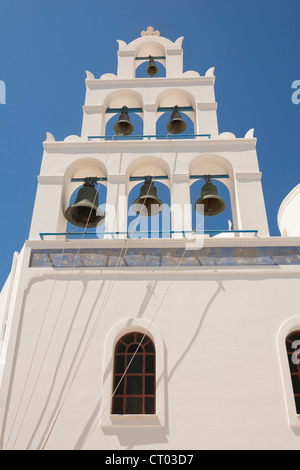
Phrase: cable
x=41 y=329
x=145 y=334
x=104 y=301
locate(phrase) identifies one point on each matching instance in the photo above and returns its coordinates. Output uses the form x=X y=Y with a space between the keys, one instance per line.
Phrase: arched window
x=134 y=375
x=293 y=351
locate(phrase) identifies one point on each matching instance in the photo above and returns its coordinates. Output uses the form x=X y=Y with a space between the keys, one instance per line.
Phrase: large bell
x=176 y=125
x=210 y=203
x=152 y=68
x=123 y=126
x=148 y=203
x=84 y=212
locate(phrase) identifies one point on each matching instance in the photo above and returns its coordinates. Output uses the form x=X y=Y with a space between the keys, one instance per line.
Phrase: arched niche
x=213 y=165
x=73 y=181
x=118 y=99
x=137 y=170
x=147 y=49
x=169 y=99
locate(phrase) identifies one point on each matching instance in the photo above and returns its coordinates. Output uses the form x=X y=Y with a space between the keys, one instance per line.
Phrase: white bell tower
x=174 y=340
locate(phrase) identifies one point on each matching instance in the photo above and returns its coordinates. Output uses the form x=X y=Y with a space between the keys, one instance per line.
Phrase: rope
x=145 y=334
x=111 y=285
x=59 y=311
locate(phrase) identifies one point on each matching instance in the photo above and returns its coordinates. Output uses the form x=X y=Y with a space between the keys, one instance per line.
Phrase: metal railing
x=148 y=136
x=101 y=234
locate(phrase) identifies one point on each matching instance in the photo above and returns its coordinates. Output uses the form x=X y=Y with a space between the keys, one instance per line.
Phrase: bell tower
x=112 y=310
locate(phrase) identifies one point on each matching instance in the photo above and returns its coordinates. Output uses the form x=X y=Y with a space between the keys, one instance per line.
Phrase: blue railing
x=147 y=136
x=149 y=233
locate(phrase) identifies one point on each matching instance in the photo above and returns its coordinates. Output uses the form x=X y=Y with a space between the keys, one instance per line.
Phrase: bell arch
x=156 y=219
x=181 y=98
x=154 y=49
x=118 y=99
x=74 y=179
x=222 y=177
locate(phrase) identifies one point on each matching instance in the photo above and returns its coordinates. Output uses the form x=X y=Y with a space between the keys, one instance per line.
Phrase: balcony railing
x=158 y=234
x=148 y=137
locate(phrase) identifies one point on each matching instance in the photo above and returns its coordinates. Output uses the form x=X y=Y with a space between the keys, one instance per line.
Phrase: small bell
x=210 y=203
x=84 y=212
x=176 y=125
x=152 y=68
x=123 y=126
x=148 y=204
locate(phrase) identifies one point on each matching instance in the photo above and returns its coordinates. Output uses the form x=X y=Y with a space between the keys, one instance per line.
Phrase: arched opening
x=211 y=223
x=135 y=119
x=153 y=226
x=162 y=122
x=76 y=232
x=134 y=387
x=141 y=69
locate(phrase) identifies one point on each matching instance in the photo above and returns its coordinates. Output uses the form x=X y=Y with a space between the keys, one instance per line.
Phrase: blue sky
x=46 y=46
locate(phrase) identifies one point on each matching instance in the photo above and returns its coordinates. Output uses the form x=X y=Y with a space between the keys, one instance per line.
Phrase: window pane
x=120 y=348
x=149 y=363
x=117 y=406
x=119 y=364
x=128 y=338
x=134 y=385
x=149 y=385
x=149 y=406
x=134 y=405
x=119 y=385
x=296 y=384
x=293 y=367
x=149 y=347
x=134 y=348
x=137 y=364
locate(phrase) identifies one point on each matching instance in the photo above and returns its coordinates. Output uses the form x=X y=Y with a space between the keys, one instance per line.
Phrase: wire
x=109 y=290
x=59 y=311
x=145 y=334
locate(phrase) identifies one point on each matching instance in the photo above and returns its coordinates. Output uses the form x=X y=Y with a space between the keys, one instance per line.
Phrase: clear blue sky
x=46 y=46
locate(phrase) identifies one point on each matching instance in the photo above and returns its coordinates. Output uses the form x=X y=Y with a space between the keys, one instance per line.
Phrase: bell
x=148 y=203
x=210 y=203
x=176 y=125
x=152 y=68
x=84 y=212
x=123 y=126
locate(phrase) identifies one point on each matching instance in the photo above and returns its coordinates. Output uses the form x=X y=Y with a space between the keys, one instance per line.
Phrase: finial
x=150 y=32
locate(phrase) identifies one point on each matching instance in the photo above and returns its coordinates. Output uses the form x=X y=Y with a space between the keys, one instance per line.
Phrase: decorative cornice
x=117 y=82
x=51 y=179
x=246 y=176
x=149 y=145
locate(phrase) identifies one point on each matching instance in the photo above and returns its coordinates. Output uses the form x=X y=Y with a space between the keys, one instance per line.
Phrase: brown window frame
x=294 y=368
x=136 y=353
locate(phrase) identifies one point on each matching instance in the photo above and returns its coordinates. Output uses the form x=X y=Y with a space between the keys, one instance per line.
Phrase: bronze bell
x=152 y=68
x=148 y=203
x=210 y=203
x=84 y=212
x=176 y=125
x=123 y=126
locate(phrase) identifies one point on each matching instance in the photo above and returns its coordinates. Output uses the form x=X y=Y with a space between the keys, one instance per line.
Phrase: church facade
x=125 y=322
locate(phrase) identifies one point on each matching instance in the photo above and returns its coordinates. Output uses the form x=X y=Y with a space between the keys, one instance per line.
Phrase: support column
x=249 y=196
x=48 y=216
x=149 y=119
x=181 y=213
x=116 y=206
